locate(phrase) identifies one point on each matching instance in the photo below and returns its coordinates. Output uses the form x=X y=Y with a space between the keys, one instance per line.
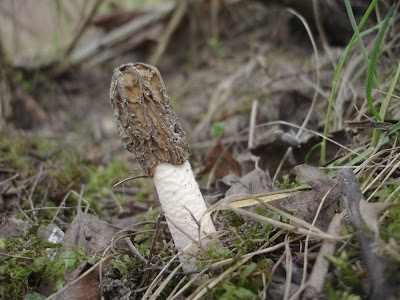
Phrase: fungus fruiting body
x=150 y=129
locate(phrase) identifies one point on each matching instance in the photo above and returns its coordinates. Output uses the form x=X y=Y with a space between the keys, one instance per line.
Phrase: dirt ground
x=242 y=79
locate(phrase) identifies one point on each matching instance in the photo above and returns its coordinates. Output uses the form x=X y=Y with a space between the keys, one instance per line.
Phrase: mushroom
x=150 y=130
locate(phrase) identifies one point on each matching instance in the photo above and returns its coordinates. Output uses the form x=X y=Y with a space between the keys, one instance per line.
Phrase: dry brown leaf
x=90 y=234
x=255 y=182
x=370 y=213
x=86 y=286
x=93 y=236
x=221 y=161
x=305 y=205
x=13 y=226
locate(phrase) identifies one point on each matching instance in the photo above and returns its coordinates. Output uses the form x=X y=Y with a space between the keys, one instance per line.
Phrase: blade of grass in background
x=364 y=52
x=374 y=58
x=394 y=128
x=371 y=71
x=384 y=108
x=371 y=78
x=336 y=78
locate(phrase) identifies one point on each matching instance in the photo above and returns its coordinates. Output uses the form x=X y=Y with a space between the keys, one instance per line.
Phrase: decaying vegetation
x=292 y=113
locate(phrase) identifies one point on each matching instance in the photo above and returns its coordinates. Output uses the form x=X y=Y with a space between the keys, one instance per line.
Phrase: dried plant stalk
x=146 y=122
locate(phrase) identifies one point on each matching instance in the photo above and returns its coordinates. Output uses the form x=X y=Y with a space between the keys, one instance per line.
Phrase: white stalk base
x=184 y=209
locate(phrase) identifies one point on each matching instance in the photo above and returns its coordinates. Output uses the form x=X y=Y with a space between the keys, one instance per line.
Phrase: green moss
x=345 y=277
x=390 y=228
x=106 y=176
x=123 y=263
x=43 y=146
x=287 y=182
x=28 y=264
x=243 y=283
x=14 y=153
x=69 y=166
x=217 y=129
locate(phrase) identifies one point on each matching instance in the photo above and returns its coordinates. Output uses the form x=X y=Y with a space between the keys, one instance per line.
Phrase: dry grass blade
x=157 y=293
x=289 y=268
x=308 y=237
x=316 y=281
x=244 y=200
x=316 y=233
x=314 y=101
x=201 y=291
x=388 y=170
x=159 y=277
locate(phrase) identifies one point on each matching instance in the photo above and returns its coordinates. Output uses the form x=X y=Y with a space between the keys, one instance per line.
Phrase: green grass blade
x=373 y=60
x=385 y=106
x=388 y=98
x=336 y=78
x=355 y=29
x=311 y=151
x=394 y=128
x=363 y=51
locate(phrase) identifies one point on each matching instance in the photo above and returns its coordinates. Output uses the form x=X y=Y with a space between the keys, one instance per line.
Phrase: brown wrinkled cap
x=146 y=122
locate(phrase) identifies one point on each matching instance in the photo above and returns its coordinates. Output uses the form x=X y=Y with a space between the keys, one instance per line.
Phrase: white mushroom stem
x=188 y=220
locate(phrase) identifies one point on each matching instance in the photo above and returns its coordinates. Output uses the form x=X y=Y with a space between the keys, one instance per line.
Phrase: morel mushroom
x=149 y=129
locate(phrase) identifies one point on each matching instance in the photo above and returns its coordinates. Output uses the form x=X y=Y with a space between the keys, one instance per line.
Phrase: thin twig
x=253 y=118
x=82 y=29
x=321 y=204
x=33 y=188
x=127 y=179
x=159 y=276
x=314 y=101
x=316 y=281
x=135 y=251
x=172 y=25
x=153 y=243
x=15 y=256
x=158 y=291
x=289 y=268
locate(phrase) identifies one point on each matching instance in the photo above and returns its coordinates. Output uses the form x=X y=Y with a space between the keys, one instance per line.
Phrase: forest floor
x=252 y=92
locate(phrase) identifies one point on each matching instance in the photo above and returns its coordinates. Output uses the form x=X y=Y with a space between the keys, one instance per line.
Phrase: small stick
x=83 y=27
x=253 y=118
x=33 y=188
x=171 y=27
x=135 y=251
x=153 y=243
x=144 y=260
x=317 y=278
